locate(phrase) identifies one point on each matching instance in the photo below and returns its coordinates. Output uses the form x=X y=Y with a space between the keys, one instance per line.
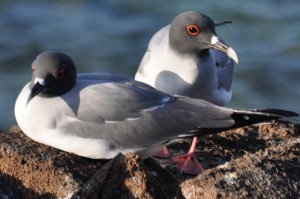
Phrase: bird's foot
x=188 y=164
x=163 y=153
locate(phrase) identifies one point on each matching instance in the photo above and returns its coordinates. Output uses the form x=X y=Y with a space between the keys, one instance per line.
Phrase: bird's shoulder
x=114 y=99
x=161 y=37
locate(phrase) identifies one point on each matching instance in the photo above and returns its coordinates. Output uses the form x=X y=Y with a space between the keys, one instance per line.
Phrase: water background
x=113 y=36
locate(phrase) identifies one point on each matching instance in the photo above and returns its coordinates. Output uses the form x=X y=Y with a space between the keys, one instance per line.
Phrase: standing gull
x=188 y=58
x=98 y=115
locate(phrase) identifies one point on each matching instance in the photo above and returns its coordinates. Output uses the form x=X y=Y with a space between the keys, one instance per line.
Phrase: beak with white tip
x=39 y=86
x=219 y=45
x=40 y=81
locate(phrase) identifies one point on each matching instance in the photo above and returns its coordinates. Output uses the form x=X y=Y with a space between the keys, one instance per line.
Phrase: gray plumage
x=195 y=64
x=101 y=115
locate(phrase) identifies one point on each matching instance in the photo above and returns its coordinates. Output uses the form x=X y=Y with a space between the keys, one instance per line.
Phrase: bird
x=99 y=115
x=188 y=58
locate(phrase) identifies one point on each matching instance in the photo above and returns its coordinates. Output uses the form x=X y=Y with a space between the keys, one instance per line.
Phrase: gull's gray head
x=53 y=74
x=192 y=32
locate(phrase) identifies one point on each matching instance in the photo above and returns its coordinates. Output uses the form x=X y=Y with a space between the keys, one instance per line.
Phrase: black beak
x=36 y=89
x=219 y=45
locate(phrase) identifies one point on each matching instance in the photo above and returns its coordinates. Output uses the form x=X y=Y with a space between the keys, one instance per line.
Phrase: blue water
x=113 y=37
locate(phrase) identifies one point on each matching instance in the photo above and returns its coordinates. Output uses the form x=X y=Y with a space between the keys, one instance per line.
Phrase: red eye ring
x=193 y=29
x=60 y=72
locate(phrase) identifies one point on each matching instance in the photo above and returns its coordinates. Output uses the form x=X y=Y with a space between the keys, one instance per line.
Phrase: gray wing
x=130 y=114
x=103 y=77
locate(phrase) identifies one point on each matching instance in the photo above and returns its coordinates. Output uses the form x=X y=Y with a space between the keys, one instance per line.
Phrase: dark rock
x=257 y=162
x=127 y=177
x=34 y=170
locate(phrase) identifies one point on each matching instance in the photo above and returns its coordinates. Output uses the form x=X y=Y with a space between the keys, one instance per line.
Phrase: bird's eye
x=193 y=30
x=60 y=72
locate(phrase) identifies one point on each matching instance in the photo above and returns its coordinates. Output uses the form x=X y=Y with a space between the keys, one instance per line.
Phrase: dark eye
x=193 y=30
x=60 y=72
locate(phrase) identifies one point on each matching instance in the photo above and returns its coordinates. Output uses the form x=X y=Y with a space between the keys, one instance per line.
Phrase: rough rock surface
x=254 y=162
x=34 y=170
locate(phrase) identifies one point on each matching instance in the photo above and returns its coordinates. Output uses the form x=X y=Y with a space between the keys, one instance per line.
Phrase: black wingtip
x=250 y=117
x=255 y=116
x=279 y=112
x=223 y=23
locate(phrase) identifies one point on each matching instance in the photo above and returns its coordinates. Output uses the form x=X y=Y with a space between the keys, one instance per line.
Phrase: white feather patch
x=214 y=40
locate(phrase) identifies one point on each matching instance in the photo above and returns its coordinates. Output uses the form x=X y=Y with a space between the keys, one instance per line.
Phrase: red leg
x=187 y=163
x=163 y=153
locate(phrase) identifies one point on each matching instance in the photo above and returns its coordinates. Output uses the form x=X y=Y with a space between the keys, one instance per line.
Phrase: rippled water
x=113 y=37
